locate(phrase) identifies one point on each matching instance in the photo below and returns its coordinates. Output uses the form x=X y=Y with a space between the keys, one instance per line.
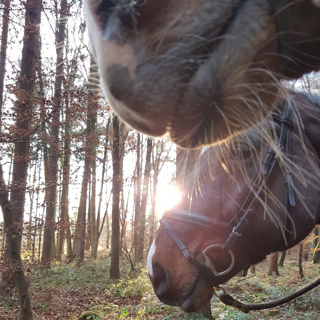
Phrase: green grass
x=65 y=292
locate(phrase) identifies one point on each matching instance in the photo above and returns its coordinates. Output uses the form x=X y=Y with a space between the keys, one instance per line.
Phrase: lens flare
x=168 y=195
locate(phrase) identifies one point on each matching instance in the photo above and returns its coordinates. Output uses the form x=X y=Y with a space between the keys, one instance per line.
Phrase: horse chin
x=199 y=297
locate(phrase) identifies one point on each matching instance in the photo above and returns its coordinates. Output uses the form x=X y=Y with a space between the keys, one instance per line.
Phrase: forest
x=81 y=193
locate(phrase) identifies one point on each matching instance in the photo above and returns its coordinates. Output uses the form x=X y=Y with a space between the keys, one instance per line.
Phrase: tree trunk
x=3 y=52
x=316 y=254
x=80 y=234
x=64 y=225
x=157 y=165
x=31 y=196
x=13 y=210
x=301 y=245
x=24 y=106
x=137 y=203
x=104 y=162
x=142 y=220
x=273 y=264
x=13 y=252
x=115 y=238
x=51 y=190
x=90 y=145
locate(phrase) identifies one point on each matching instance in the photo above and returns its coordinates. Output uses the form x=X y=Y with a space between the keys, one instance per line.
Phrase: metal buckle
x=238 y=234
x=209 y=264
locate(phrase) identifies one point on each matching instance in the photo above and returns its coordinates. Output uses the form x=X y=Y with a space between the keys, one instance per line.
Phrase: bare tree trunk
x=115 y=240
x=79 y=241
x=316 y=254
x=301 y=245
x=157 y=165
x=24 y=108
x=13 y=253
x=137 y=204
x=90 y=145
x=51 y=190
x=3 y=52
x=3 y=238
x=13 y=210
x=104 y=162
x=31 y=193
x=64 y=225
x=142 y=220
x=88 y=229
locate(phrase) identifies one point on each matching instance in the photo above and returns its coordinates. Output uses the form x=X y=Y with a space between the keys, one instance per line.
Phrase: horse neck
x=308 y=109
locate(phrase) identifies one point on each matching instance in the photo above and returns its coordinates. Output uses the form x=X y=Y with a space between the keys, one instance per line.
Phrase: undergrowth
x=65 y=292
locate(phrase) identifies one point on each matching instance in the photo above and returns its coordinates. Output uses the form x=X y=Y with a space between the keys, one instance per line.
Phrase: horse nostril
x=160 y=279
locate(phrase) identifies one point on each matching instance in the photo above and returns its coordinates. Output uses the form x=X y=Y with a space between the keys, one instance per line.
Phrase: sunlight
x=168 y=195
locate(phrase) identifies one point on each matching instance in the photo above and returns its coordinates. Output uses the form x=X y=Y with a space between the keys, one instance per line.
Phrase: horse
x=202 y=70
x=249 y=196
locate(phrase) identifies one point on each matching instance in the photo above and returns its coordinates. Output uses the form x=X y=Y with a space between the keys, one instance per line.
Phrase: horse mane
x=306 y=119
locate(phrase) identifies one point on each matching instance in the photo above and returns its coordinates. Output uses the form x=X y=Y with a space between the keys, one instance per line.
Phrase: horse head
x=200 y=70
x=247 y=197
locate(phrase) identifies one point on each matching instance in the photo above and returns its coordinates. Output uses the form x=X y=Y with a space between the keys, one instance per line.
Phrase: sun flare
x=168 y=195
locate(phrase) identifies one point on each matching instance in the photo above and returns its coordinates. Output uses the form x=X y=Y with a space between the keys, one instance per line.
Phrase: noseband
x=204 y=263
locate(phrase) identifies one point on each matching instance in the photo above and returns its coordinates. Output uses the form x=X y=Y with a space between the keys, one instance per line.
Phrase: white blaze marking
x=151 y=252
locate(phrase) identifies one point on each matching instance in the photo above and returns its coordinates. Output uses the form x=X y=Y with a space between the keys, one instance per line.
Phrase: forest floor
x=65 y=292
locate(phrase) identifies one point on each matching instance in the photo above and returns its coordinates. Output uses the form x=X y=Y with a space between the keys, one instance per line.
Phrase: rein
x=204 y=263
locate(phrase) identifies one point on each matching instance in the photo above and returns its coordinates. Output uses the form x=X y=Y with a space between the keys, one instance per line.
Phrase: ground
x=65 y=292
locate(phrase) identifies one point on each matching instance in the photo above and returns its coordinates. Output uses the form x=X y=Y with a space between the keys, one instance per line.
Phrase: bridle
x=203 y=263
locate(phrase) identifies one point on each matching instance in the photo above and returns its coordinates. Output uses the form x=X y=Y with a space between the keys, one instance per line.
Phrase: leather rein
x=204 y=263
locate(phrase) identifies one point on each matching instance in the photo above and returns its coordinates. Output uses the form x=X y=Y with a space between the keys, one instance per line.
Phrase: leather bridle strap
x=171 y=233
x=281 y=12
x=198 y=219
x=267 y=167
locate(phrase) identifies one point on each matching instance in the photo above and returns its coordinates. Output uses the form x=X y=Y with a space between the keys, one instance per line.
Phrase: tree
x=140 y=224
x=13 y=253
x=3 y=50
x=301 y=246
x=316 y=254
x=98 y=226
x=51 y=188
x=13 y=210
x=64 y=227
x=137 y=184
x=24 y=107
x=115 y=239
x=157 y=164
x=90 y=145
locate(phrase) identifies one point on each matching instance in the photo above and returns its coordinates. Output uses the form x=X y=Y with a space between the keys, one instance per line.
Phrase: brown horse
x=257 y=193
x=201 y=70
